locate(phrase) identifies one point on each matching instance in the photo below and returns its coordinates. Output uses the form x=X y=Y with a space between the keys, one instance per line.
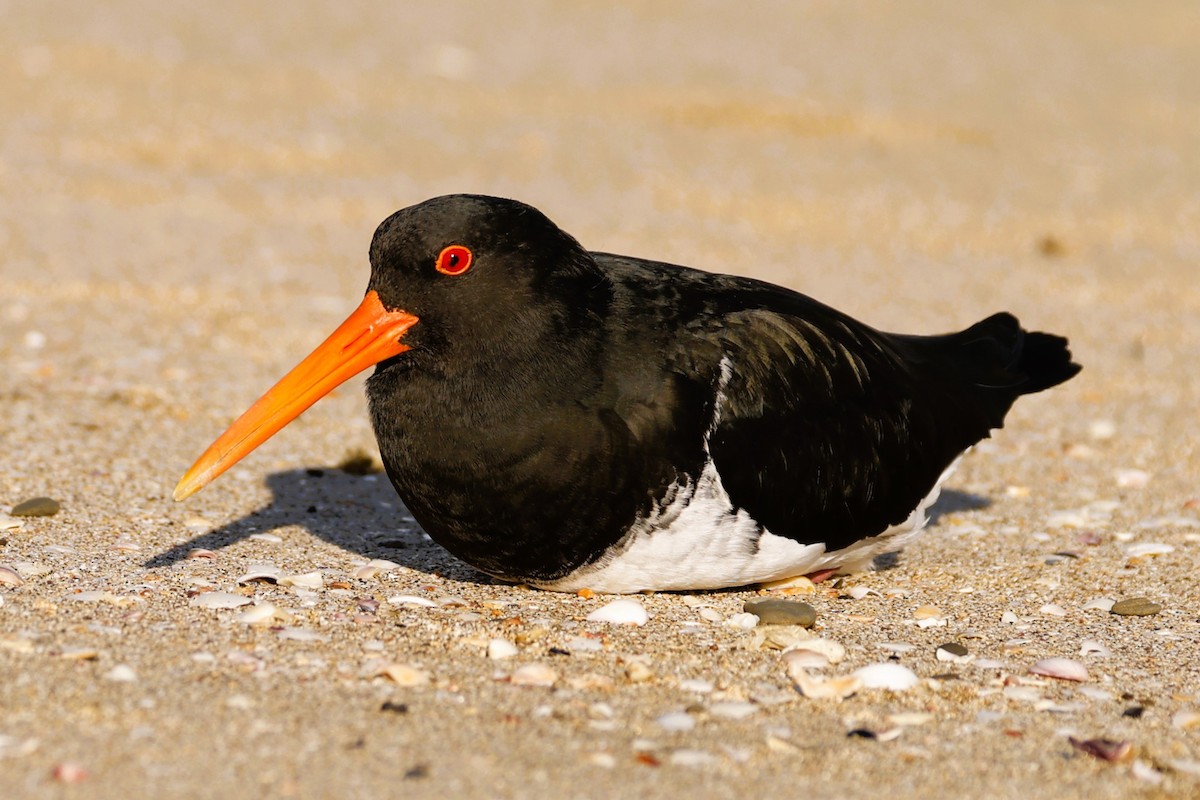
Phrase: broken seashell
x=501 y=648
x=837 y=688
x=265 y=572
x=621 y=612
x=886 y=675
x=307 y=580
x=219 y=600
x=1067 y=669
x=534 y=675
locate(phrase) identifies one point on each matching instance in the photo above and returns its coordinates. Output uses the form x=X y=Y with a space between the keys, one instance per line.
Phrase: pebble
x=1135 y=607
x=771 y=611
x=219 y=600
x=37 y=507
x=534 y=675
x=498 y=649
x=621 y=612
x=886 y=675
x=1067 y=669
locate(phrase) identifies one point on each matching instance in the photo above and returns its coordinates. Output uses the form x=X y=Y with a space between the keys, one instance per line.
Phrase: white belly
x=697 y=541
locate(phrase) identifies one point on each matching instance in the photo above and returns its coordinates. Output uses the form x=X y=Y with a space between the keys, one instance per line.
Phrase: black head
x=482 y=274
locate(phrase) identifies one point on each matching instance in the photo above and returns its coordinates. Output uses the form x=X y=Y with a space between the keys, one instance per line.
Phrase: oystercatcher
x=572 y=419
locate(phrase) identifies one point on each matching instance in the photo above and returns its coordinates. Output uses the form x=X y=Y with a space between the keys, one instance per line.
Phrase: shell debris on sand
x=621 y=612
x=1067 y=669
x=886 y=675
x=535 y=674
x=219 y=600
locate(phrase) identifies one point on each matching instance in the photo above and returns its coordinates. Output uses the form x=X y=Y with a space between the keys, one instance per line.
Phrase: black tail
x=999 y=361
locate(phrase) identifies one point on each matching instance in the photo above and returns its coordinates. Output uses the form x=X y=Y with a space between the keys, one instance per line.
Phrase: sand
x=188 y=194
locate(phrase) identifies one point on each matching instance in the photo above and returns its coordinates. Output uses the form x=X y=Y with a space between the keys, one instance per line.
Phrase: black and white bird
x=572 y=419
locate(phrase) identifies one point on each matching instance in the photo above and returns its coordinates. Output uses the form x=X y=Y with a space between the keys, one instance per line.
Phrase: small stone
x=621 y=612
x=37 y=507
x=1135 y=607
x=771 y=611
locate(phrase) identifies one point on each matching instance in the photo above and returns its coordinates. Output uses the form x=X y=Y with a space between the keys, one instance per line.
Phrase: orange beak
x=369 y=335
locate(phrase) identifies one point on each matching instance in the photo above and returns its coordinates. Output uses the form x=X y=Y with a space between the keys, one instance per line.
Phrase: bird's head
x=455 y=281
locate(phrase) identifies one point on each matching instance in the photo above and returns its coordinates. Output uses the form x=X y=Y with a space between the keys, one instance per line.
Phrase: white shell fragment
x=534 y=675
x=10 y=577
x=501 y=648
x=799 y=660
x=8 y=523
x=219 y=600
x=886 y=675
x=307 y=580
x=832 y=689
x=411 y=600
x=1099 y=604
x=831 y=650
x=676 y=721
x=403 y=674
x=1067 y=669
x=621 y=612
x=269 y=573
x=259 y=614
x=742 y=620
x=1094 y=647
x=121 y=673
x=1147 y=549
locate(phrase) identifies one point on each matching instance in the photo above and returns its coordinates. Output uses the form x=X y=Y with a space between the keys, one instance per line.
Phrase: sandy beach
x=186 y=199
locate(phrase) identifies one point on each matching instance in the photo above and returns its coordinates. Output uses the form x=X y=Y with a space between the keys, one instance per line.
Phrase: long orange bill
x=368 y=336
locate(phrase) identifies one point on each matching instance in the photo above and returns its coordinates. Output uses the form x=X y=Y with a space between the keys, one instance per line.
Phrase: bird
x=575 y=420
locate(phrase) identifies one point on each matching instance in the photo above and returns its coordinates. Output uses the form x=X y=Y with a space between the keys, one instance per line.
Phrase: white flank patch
x=697 y=541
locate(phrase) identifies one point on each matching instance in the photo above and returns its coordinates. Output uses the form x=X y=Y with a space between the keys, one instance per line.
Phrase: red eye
x=454 y=260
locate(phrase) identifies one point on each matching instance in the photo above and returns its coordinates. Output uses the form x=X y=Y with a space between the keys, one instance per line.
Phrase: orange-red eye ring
x=454 y=260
